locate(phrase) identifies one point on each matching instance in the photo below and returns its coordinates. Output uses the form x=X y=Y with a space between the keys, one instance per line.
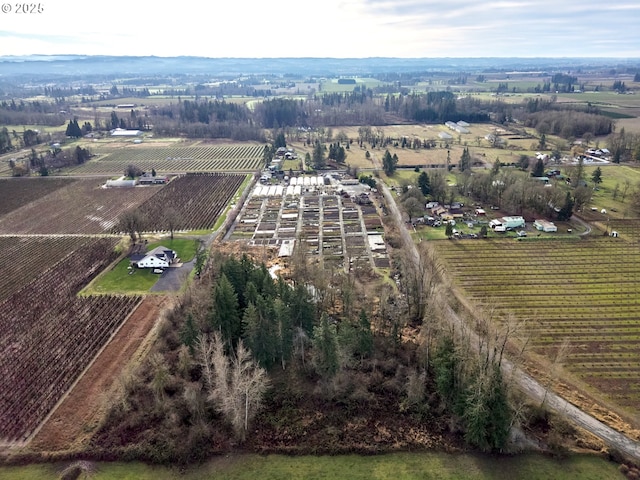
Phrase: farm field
x=80 y=207
x=196 y=199
x=17 y=192
x=173 y=159
x=24 y=258
x=586 y=291
x=49 y=335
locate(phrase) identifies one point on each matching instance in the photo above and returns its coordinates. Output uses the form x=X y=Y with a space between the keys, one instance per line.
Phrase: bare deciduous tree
x=235 y=383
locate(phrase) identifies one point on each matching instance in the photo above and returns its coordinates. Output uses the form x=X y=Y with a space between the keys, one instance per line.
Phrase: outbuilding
x=545 y=226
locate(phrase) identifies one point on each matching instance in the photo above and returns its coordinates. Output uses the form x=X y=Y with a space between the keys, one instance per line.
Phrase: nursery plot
x=584 y=290
x=331 y=228
x=81 y=206
x=48 y=335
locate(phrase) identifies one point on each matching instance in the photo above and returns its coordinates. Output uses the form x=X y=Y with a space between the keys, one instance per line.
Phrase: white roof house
x=159 y=257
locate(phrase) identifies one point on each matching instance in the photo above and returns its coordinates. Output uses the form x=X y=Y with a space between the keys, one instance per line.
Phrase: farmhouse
x=159 y=257
x=545 y=226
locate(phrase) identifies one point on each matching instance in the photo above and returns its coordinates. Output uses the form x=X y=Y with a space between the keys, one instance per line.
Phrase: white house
x=159 y=257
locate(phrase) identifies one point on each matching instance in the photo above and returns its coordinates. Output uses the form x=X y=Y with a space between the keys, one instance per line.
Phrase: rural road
x=525 y=382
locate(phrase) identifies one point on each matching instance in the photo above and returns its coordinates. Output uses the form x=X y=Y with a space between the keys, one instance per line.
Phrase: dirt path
x=81 y=411
x=525 y=382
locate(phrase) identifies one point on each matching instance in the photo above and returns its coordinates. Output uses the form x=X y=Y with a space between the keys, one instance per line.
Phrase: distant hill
x=80 y=65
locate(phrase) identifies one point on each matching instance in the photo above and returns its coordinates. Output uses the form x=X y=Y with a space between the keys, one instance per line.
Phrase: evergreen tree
x=325 y=348
x=487 y=413
x=596 y=176
x=302 y=310
x=280 y=141
x=225 y=316
x=445 y=366
x=567 y=209
x=73 y=129
x=318 y=156
x=365 y=335
x=259 y=333
x=465 y=160
x=5 y=140
x=388 y=163
x=189 y=333
x=538 y=170
x=423 y=183
x=284 y=331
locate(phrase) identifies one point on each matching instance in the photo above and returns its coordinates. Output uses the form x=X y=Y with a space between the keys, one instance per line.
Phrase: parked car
x=521 y=233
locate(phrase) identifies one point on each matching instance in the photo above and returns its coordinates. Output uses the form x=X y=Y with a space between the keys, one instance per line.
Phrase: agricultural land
x=340 y=228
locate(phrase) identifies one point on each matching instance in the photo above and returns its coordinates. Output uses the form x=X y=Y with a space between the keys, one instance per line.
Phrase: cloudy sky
x=326 y=28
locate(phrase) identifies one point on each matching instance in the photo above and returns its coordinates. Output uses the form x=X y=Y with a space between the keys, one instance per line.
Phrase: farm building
x=376 y=242
x=445 y=136
x=121 y=132
x=159 y=257
x=149 y=179
x=457 y=127
x=507 y=222
x=121 y=182
x=545 y=226
x=286 y=248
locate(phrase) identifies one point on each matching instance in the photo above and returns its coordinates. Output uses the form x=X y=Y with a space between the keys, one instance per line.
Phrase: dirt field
x=81 y=411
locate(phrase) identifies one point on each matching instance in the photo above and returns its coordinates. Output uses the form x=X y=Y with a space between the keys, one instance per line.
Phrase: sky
x=326 y=28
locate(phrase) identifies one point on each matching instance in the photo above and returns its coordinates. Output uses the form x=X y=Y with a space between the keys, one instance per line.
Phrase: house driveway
x=173 y=278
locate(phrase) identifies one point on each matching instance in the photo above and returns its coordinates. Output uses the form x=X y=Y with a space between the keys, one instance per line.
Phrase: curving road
x=525 y=382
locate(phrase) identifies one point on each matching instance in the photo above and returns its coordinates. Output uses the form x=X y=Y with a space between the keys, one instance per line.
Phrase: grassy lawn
x=613 y=175
x=398 y=466
x=122 y=280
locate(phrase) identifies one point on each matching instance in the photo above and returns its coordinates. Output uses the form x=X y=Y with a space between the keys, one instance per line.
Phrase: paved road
x=525 y=382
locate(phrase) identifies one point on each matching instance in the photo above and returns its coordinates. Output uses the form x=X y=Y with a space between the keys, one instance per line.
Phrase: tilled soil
x=80 y=412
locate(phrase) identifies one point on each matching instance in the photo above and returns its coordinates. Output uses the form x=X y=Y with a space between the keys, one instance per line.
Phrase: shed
x=545 y=226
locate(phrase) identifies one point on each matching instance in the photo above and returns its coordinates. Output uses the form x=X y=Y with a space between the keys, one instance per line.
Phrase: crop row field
x=79 y=207
x=49 y=335
x=175 y=159
x=17 y=192
x=83 y=206
x=193 y=201
x=24 y=258
x=585 y=291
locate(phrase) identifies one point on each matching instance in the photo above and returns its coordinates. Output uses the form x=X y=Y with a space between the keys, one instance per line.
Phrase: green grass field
x=398 y=466
x=613 y=175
